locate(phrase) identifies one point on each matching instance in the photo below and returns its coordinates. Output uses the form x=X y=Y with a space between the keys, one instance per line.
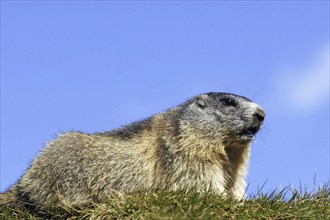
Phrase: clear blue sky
x=96 y=65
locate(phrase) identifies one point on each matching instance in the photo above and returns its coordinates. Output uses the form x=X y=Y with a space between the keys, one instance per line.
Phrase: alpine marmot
x=202 y=144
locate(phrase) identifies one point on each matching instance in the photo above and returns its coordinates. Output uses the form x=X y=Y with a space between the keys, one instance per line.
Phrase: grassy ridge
x=165 y=205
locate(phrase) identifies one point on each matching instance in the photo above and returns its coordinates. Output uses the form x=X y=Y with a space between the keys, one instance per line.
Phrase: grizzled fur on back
x=202 y=144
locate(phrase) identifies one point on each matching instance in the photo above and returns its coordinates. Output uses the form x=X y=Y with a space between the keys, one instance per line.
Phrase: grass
x=287 y=204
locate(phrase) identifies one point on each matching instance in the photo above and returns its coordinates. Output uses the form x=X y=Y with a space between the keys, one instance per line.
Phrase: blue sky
x=96 y=65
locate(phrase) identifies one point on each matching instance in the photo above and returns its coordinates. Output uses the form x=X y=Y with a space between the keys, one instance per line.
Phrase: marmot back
x=202 y=144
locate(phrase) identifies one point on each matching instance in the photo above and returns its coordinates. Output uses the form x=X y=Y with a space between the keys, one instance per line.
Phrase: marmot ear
x=201 y=101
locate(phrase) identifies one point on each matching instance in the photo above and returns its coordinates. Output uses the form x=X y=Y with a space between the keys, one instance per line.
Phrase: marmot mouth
x=247 y=137
x=248 y=133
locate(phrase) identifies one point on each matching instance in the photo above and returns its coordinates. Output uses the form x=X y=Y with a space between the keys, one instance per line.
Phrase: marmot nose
x=260 y=114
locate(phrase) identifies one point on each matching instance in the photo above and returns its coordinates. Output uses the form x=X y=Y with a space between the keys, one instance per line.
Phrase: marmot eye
x=229 y=102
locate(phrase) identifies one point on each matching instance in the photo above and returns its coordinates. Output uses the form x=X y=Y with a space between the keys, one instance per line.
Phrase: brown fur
x=203 y=144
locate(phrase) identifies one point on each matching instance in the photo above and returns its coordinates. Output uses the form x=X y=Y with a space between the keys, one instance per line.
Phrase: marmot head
x=232 y=118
